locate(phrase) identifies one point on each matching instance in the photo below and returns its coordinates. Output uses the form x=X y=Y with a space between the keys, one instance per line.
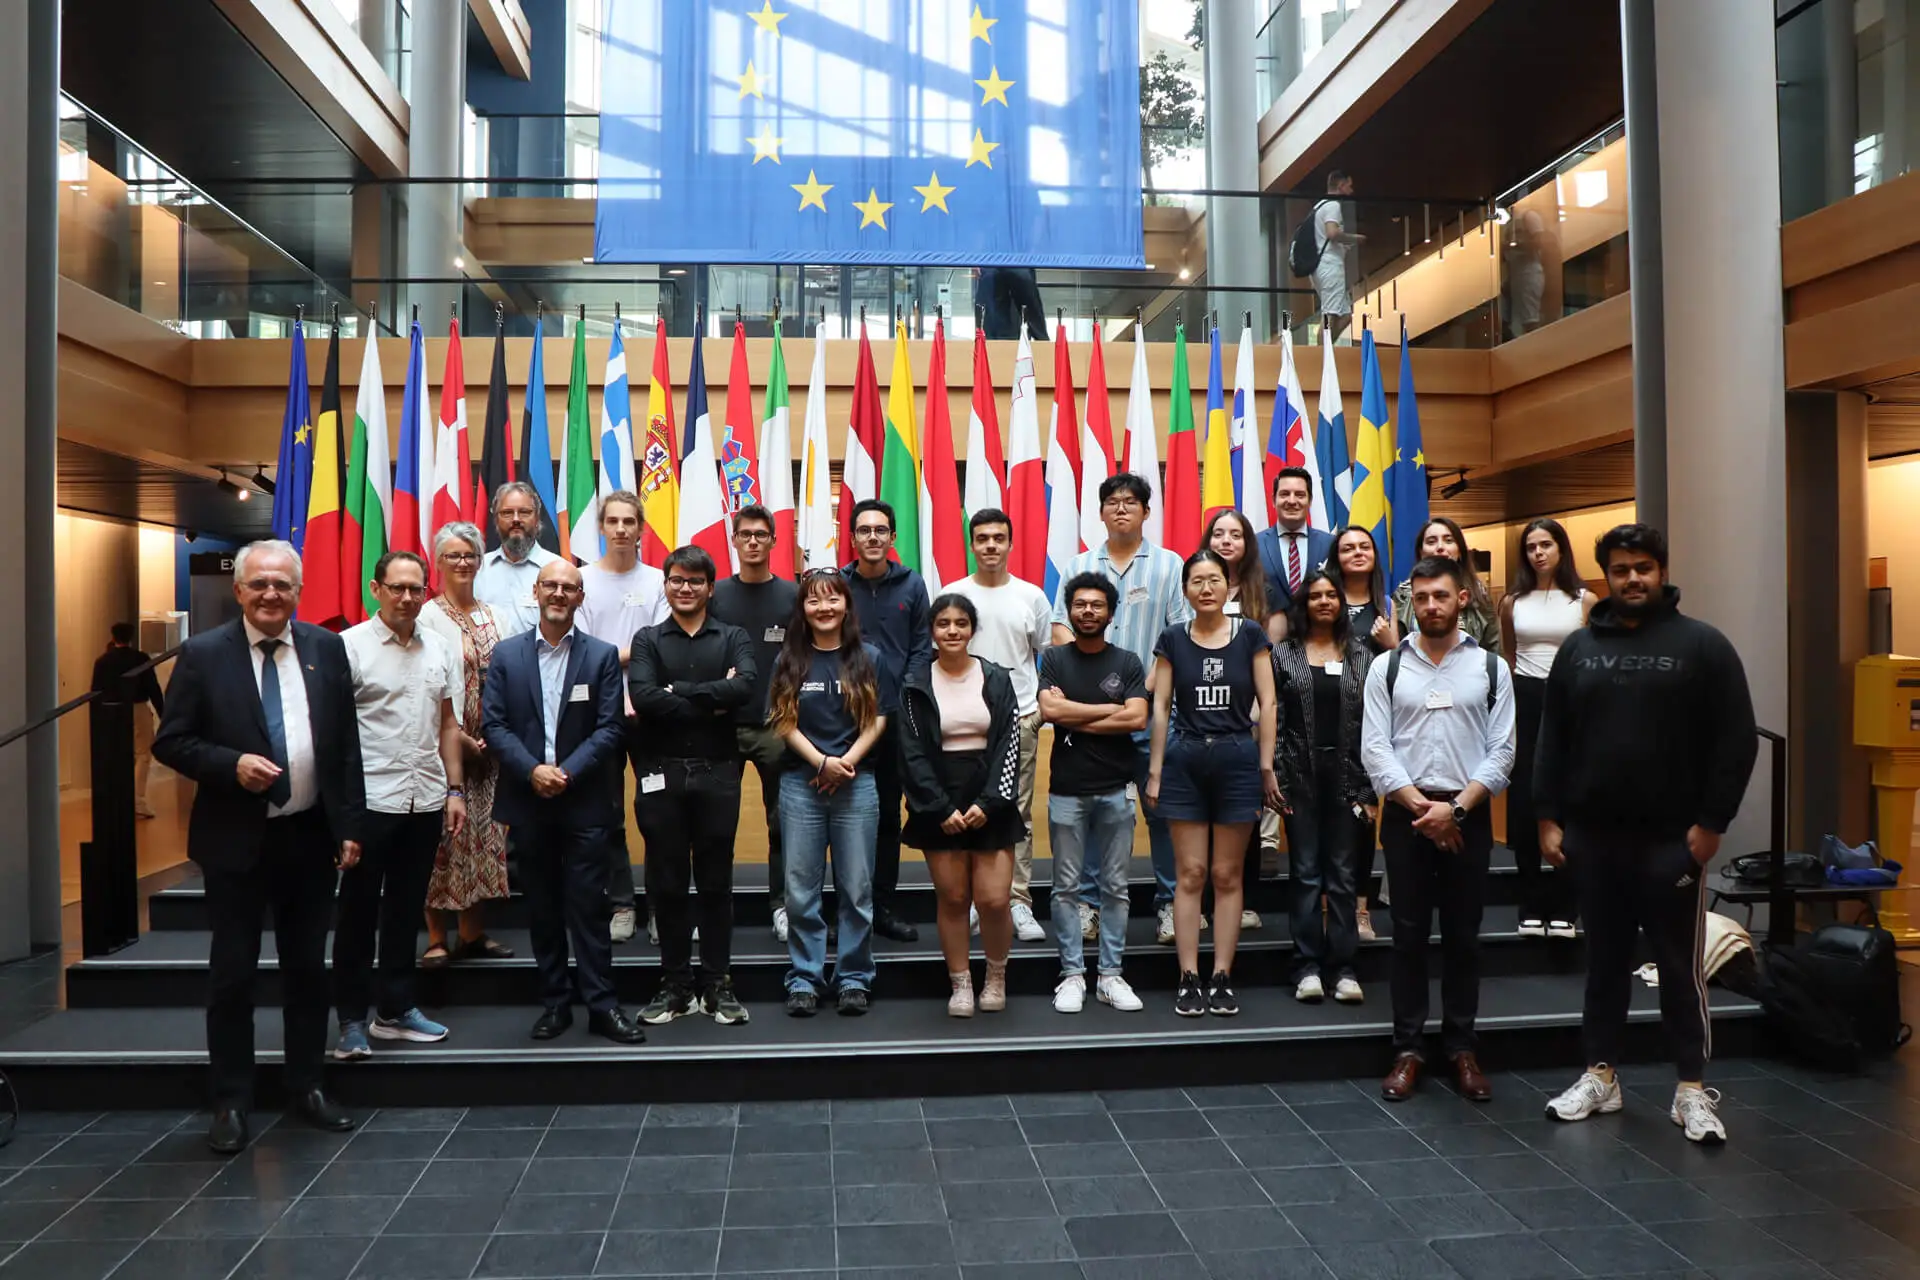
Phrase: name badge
x=774 y=635
x=1439 y=699
x=526 y=601
x=652 y=782
x=1334 y=668
x=1136 y=595
x=1232 y=609
x=634 y=598
x=478 y=617
x=582 y=692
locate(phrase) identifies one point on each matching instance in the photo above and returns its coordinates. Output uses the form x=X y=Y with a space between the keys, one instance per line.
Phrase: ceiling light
x=459 y=264
x=1503 y=216
x=1185 y=274
x=261 y=481
x=676 y=271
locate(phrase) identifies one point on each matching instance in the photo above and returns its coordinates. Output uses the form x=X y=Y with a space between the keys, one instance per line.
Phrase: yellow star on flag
x=873 y=210
x=768 y=20
x=1420 y=459
x=981 y=152
x=812 y=192
x=995 y=88
x=766 y=147
x=300 y=436
x=750 y=82
x=934 y=196
x=980 y=22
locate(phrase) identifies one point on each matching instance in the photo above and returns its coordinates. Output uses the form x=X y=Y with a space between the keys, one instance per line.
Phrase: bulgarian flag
x=1026 y=481
x=703 y=508
x=325 y=586
x=776 y=460
x=986 y=486
x=369 y=504
x=1183 y=458
x=660 y=459
x=866 y=437
x=900 y=485
x=943 y=525
x=1216 y=479
x=579 y=508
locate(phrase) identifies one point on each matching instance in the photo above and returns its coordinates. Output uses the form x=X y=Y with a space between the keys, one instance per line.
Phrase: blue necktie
x=282 y=789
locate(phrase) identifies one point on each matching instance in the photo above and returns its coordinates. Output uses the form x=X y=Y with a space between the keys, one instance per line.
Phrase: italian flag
x=369 y=505
x=579 y=510
x=776 y=461
x=1183 y=458
x=900 y=484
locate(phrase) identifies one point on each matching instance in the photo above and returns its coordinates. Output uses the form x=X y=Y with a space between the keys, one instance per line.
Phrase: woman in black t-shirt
x=1356 y=564
x=1210 y=780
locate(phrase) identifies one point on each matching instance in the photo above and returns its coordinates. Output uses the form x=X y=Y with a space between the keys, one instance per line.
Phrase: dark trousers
x=293 y=878
x=767 y=752
x=563 y=873
x=1320 y=838
x=620 y=892
x=385 y=892
x=1544 y=895
x=1633 y=882
x=885 y=758
x=1426 y=877
x=689 y=825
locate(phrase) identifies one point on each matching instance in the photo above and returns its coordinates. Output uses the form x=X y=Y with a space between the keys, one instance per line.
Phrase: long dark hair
x=1250 y=573
x=1297 y=624
x=1565 y=576
x=1377 y=585
x=858 y=680
x=1476 y=590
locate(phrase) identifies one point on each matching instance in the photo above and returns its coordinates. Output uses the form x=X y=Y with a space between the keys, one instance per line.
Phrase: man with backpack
x=1319 y=252
x=1646 y=746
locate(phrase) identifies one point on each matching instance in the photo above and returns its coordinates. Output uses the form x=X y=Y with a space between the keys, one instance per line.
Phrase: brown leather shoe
x=1473 y=1082
x=1400 y=1082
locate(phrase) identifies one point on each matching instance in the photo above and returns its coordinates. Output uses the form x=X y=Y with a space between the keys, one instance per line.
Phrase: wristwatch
x=1459 y=816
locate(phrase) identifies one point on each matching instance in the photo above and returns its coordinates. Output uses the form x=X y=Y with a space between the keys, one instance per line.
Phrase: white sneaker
x=1025 y=927
x=1113 y=990
x=780 y=923
x=1163 y=931
x=1347 y=991
x=1070 y=996
x=1590 y=1093
x=1533 y=928
x=621 y=926
x=1310 y=990
x=1089 y=924
x=1697 y=1112
x=1249 y=920
x=973 y=921
x=1561 y=929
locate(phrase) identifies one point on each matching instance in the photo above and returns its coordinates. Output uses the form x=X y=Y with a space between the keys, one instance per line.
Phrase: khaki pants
x=1023 y=851
x=143 y=756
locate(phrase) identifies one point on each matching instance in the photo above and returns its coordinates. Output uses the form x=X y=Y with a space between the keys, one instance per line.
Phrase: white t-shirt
x=1330 y=277
x=619 y=604
x=1016 y=624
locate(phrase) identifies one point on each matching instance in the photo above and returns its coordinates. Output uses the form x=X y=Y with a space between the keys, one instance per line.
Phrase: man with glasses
x=623 y=597
x=891 y=601
x=689 y=678
x=406 y=683
x=260 y=715
x=507 y=572
x=761 y=604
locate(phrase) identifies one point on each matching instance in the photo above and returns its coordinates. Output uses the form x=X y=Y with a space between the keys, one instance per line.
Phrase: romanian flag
x=900 y=458
x=326 y=583
x=660 y=460
x=369 y=499
x=943 y=525
x=579 y=507
x=1183 y=458
x=1372 y=448
x=1216 y=480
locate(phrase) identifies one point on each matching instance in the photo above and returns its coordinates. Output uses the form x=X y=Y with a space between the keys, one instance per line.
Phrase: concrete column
x=438 y=94
x=1236 y=243
x=1719 y=225
x=1642 y=95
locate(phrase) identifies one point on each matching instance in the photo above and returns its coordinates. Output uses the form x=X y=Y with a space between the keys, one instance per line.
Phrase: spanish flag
x=659 y=460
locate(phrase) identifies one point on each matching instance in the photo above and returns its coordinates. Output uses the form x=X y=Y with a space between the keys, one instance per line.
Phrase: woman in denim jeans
x=830 y=700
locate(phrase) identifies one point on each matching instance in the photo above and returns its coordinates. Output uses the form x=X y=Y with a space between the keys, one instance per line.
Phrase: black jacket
x=214 y=717
x=586 y=742
x=1645 y=729
x=681 y=692
x=1293 y=744
x=893 y=617
x=997 y=783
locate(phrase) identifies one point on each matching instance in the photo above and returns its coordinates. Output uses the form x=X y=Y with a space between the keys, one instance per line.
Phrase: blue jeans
x=1159 y=839
x=1104 y=824
x=809 y=823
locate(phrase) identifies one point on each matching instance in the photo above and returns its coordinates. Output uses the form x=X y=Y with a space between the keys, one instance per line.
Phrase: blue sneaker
x=411 y=1025
x=352 y=1044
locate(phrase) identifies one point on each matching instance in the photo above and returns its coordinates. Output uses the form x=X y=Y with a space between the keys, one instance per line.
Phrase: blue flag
x=536 y=449
x=1407 y=510
x=923 y=132
x=293 y=472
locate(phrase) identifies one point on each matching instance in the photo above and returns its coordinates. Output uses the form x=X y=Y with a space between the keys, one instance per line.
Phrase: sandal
x=437 y=957
x=484 y=948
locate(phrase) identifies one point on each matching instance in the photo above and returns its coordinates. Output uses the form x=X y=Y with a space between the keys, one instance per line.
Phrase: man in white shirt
x=407 y=682
x=507 y=572
x=1016 y=624
x=1330 y=279
x=623 y=598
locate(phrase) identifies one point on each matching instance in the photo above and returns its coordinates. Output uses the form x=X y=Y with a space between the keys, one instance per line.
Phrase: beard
x=1087 y=628
x=517 y=545
x=1636 y=608
x=1434 y=628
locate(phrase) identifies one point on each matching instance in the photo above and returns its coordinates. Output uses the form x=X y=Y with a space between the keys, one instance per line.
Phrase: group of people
x=498 y=698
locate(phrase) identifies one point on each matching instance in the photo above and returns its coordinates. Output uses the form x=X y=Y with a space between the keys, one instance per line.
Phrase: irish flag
x=369 y=504
x=326 y=585
x=943 y=529
x=1183 y=458
x=703 y=508
x=866 y=438
x=900 y=457
x=1026 y=478
x=776 y=459
x=579 y=515
x=819 y=524
x=1216 y=478
x=660 y=460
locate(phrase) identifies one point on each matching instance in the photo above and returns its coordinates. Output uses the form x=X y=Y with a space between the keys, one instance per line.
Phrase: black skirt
x=960 y=771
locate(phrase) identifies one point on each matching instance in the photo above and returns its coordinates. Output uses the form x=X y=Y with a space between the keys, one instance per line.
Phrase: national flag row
x=341 y=502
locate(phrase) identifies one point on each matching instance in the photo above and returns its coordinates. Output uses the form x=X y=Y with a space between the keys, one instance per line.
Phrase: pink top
x=963 y=708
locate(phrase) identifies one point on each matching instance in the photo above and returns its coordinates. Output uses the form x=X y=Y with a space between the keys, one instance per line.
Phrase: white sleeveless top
x=1541 y=621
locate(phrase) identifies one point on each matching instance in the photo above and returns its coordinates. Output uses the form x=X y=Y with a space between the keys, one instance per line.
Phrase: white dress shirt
x=507 y=585
x=398 y=692
x=553 y=682
x=303 y=784
x=1438 y=733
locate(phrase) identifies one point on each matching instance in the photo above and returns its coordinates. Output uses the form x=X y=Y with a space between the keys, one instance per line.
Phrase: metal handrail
x=74 y=704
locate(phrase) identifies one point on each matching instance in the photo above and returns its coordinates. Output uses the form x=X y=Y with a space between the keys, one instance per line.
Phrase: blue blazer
x=1273 y=558
x=587 y=742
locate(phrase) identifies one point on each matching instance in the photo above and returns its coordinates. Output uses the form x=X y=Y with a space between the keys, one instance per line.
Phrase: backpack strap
x=1493 y=675
x=1393 y=672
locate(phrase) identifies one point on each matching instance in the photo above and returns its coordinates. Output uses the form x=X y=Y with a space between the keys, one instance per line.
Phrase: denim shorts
x=1211 y=780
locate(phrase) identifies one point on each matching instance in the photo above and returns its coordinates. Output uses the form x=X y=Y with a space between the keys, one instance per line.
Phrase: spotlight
x=227 y=484
x=262 y=481
x=1458 y=487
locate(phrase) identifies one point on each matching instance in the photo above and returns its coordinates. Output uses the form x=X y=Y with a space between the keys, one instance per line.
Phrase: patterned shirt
x=1150 y=596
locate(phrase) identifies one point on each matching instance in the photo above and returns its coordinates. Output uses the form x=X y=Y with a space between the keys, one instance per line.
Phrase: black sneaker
x=1220 y=1001
x=853 y=1001
x=670 y=1003
x=1192 y=1001
x=722 y=1005
x=802 y=1003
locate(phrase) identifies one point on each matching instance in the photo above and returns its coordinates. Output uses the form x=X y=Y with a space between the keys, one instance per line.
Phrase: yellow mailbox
x=1886 y=721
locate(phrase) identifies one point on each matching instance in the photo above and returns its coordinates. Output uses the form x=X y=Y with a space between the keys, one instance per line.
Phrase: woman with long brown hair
x=1442 y=537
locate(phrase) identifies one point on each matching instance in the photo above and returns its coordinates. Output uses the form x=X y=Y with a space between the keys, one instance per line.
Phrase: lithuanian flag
x=900 y=457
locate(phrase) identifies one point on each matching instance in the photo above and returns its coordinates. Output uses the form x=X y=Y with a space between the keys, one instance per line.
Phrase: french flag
x=413 y=519
x=703 y=509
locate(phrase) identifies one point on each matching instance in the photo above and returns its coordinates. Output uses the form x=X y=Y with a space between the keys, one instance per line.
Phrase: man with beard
x=507 y=572
x=1646 y=747
x=1437 y=743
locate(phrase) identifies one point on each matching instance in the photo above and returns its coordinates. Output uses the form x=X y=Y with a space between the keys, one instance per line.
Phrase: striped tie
x=1293 y=564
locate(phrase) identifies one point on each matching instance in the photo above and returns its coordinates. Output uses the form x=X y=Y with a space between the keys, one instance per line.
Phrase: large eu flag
x=914 y=132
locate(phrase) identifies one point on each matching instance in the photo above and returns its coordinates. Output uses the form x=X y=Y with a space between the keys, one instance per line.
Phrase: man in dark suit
x=553 y=715
x=260 y=715
x=1291 y=549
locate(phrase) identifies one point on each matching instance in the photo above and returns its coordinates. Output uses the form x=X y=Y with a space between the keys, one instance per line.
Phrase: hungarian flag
x=369 y=501
x=1026 y=481
x=776 y=459
x=1143 y=445
x=703 y=509
x=739 y=446
x=819 y=526
x=900 y=457
x=453 y=459
x=617 y=469
x=1097 y=460
x=294 y=469
x=536 y=451
x=943 y=525
x=1063 y=470
x=1216 y=475
x=1182 y=530
x=660 y=460
x=866 y=437
x=986 y=487
x=1255 y=496
x=413 y=471
x=579 y=511
x=496 y=442
x=324 y=584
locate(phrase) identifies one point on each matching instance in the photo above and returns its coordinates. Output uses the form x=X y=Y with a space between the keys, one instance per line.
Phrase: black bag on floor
x=1856 y=971
x=1806 y=1024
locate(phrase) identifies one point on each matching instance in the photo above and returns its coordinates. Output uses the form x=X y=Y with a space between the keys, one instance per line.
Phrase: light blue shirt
x=508 y=586
x=1150 y=596
x=1437 y=732
x=553 y=681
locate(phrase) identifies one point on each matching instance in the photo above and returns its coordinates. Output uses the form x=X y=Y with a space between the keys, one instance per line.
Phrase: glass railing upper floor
x=1294 y=33
x=1849 y=74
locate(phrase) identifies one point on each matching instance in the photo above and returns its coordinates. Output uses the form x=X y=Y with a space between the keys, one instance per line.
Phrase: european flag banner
x=911 y=132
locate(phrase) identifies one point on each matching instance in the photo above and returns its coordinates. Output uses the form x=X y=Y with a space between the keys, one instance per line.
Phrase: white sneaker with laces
x=780 y=923
x=1347 y=991
x=1561 y=929
x=1697 y=1112
x=621 y=926
x=1163 y=931
x=1590 y=1093
x=1025 y=927
x=1113 y=989
x=1249 y=920
x=1089 y=924
x=1533 y=927
x=1070 y=996
x=1310 y=990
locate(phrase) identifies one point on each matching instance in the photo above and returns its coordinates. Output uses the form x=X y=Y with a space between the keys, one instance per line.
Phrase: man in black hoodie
x=891 y=601
x=1646 y=746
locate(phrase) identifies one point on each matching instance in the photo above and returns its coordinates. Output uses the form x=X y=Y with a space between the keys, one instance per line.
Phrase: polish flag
x=453 y=461
x=1063 y=471
x=703 y=507
x=1026 y=483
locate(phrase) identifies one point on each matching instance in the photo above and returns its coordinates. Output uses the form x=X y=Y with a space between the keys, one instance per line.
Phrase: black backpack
x=1834 y=998
x=1493 y=675
x=1305 y=249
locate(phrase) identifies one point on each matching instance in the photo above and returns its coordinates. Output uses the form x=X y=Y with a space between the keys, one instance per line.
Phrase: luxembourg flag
x=1290 y=436
x=1063 y=472
x=412 y=518
x=1143 y=446
x=1330 y=438
x=703 y=508
x=616 y=421
x=453 y=469
x=1026 y=483
x=1256 y=497
x=1097 y=460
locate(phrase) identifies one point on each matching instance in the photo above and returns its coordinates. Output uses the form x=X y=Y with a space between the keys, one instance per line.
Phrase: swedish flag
x=1373 y=448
